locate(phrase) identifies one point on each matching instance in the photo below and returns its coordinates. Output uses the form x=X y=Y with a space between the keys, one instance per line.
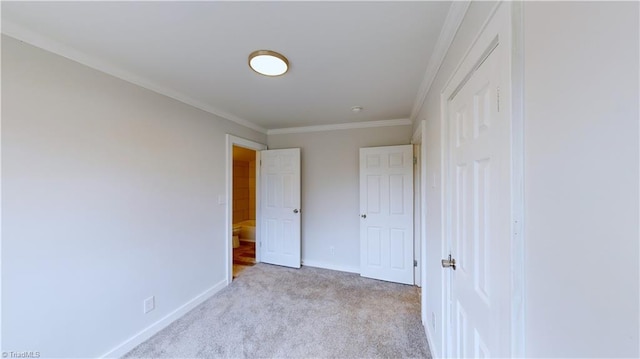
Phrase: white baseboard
x=431 y=342
x=326 y=265
x=154 y=328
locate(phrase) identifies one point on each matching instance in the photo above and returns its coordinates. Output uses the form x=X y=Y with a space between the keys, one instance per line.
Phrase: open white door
x=280 y=202
x=386 y=211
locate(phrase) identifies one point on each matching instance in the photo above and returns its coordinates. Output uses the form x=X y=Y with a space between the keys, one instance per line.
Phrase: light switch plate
x=149 y=304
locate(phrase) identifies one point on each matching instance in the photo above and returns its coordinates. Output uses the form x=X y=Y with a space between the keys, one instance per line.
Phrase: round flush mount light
x=356 y=109
x=268 y=63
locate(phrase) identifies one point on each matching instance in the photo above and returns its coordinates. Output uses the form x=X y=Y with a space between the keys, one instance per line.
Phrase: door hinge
x=415 y=161
x=415 y=263
x=498 y=97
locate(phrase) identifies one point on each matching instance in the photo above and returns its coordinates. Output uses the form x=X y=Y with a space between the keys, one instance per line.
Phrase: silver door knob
x=295 y=211
x=363 y=215
x=449 y=263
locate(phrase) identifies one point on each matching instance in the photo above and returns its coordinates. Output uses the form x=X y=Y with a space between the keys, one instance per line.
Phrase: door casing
x=417 y=211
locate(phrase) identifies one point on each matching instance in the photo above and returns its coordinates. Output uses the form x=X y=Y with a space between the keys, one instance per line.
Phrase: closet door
x=386 y=213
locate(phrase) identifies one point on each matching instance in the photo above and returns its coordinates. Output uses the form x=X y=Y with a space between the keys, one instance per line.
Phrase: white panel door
x=280 y=201
x=386 y=213
x=479 y=171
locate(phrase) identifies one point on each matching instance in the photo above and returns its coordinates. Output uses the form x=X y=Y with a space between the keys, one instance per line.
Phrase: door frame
x=418 y=210
x=515 y=75
x=418 y=137
x=231 y=141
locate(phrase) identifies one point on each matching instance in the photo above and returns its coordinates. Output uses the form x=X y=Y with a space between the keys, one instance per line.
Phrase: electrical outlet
x=433 y=320
x=149 y=304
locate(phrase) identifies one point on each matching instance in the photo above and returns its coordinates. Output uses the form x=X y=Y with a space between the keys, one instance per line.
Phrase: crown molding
x=341 y=126
x=449 y=29
x=22 y=34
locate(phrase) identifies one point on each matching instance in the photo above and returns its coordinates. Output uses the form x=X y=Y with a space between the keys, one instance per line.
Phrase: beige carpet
x=277 y=312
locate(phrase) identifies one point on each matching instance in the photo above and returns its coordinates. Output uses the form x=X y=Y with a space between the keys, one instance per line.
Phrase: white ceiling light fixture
x=268 y=63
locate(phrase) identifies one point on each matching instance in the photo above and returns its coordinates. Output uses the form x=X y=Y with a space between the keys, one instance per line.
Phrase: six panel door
x=479 y=171
x=280 y=201
x=386 y=213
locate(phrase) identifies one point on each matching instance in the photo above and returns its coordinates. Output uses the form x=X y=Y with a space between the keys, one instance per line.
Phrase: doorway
x=243 y=209
x=246 y=252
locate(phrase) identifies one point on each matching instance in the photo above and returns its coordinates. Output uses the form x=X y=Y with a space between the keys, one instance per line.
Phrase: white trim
x=457 y=71
x=430 y=341
x=518 y=278
x=16 y=31
x=416 y=139
x=450 y=27
x=331 y=266
x=154 y=328
x=1 y=231
x=445 y=232
x=417 y=211
x=423 y=234
x=232 y=140
x=341 y=126
x=514 y=41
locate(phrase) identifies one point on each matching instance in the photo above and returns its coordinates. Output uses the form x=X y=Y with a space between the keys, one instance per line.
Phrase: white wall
x=330 y=190
x=581 y=185
x=110 y=192
x=430 y=111
x=582 y=177
x=109 y=197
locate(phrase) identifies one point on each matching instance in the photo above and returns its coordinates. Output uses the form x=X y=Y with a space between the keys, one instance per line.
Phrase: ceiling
x=342 y=54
